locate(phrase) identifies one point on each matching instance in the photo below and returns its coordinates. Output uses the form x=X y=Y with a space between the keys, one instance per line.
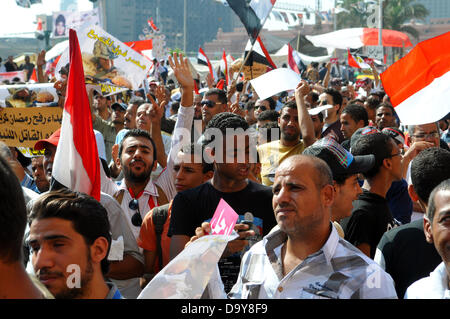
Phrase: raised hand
x=156 y=112
x=182 y=72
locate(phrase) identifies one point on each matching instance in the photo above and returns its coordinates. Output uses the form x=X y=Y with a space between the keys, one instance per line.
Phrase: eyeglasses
x=261 y=107
x=394 y=155
x=136 y=219
x=429 y=135
x=209 y=103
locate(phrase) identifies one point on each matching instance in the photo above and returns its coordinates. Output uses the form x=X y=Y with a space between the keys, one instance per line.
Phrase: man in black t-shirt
x=249 y=200
x=371 y=216
x=404 y=252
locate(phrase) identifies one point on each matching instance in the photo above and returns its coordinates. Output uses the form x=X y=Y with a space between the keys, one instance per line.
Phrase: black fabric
x=192 y=207
x=247 y=16
x=408 y=256
x=159 y=218
x=370 y=219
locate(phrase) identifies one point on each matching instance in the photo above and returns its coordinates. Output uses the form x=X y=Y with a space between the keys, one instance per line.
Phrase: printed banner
x=26 y=95
x=10 y=76
x=108 y=60
x=25 y=126
x=187 y=275
x=65 y=20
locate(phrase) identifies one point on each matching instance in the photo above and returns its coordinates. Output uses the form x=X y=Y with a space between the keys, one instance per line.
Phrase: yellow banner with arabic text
x=23 y=127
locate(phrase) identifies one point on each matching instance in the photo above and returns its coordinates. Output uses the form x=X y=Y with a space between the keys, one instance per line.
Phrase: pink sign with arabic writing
x=224 y=219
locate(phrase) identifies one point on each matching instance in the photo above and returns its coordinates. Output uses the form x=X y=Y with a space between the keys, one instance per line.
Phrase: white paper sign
x=275 y=81
x=187 y=275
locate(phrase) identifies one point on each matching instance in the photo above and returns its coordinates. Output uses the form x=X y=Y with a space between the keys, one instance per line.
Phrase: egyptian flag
x=144 y=47
x=224 y=66
x=419 y=83
x=293 y=64
x=203 y=59
x=253 y=14
x=152 y=25
x=357 y=61
x=76 y=164
x=258 y=54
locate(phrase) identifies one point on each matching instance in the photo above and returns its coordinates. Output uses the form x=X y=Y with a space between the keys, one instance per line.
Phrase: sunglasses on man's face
x=261 y=108
x=136 y=219
x=209 y=103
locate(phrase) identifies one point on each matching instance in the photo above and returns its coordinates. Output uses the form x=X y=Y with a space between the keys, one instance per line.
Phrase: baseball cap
x=361 y=132
x=395 y=133
x=53 y=139
x=115 y=105
x=340 y=161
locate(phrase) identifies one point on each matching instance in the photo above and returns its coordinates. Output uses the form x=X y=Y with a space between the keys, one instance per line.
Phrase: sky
x=16 y=19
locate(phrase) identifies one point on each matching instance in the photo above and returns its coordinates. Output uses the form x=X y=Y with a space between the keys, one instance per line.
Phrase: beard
x=137 y=178
x=86 y=278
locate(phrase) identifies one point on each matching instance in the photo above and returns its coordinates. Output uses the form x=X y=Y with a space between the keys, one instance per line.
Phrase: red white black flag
x=258 y=54
x=253 y=14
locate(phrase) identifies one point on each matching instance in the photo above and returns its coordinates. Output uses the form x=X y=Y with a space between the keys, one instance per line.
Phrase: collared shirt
x=165 y=180
x=29 y=183
x=434 y=286
x=337 y=271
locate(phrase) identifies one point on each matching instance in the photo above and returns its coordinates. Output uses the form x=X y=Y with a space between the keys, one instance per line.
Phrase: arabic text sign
x=224 y=219
x=25 y=126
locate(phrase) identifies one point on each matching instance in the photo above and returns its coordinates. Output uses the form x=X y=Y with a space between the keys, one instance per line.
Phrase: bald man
x=303 y=256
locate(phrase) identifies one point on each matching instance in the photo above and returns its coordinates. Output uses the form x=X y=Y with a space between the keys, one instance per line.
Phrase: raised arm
x=304 y=119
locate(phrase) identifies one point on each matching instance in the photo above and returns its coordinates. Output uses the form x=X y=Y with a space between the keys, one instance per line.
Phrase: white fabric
x=434 y=286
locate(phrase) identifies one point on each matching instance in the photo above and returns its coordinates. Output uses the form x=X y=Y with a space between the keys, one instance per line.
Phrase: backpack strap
x=119 y=196
x=162 y=198
x=159 y=217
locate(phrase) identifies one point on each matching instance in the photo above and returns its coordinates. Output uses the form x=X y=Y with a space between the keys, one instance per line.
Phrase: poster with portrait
x=65 y=20
x=106 y=60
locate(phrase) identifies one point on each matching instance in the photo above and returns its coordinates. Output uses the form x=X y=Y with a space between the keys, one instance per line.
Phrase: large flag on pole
x=419 y=84
x=252 y=14
x=76 y=163
x=258 y=54
x=202 y=58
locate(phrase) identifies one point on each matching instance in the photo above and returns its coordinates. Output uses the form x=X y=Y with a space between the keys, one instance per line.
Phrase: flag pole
x=251 y=48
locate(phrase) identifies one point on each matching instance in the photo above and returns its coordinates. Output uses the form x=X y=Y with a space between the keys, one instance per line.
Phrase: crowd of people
x=346 y=202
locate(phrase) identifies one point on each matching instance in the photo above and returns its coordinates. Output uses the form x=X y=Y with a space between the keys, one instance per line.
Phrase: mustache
x=45 y=272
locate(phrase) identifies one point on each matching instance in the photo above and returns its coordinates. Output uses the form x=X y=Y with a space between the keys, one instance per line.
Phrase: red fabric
x=224 y=58
x=391 y=38
x=428 y=60
x=291 y=61
x=351 y=60
x=77 y=105
x=267 y=55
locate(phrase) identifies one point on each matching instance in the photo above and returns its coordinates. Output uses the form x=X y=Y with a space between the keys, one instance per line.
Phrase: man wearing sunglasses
x=214 y=102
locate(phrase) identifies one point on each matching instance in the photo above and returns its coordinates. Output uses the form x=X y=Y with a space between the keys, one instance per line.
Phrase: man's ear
x=427 y=229
x=328 y=195
x=99 y=249
x=207 y=176
x=118 y=163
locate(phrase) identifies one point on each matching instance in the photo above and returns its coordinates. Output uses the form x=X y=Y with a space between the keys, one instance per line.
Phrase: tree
x=396 y=13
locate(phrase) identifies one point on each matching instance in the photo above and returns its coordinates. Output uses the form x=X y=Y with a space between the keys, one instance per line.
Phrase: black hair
x=357 y=113
x=268 y=115
x=337 y=97
x=221 y=95
x=431 y=207
x=137 y=133
x=289 y=105
x=272 y=103
x=192 y=149
x=378 y=144
x=268 y=127
x=89 y=218
x=224 y=121
x=428 y=169
x=13 y=214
